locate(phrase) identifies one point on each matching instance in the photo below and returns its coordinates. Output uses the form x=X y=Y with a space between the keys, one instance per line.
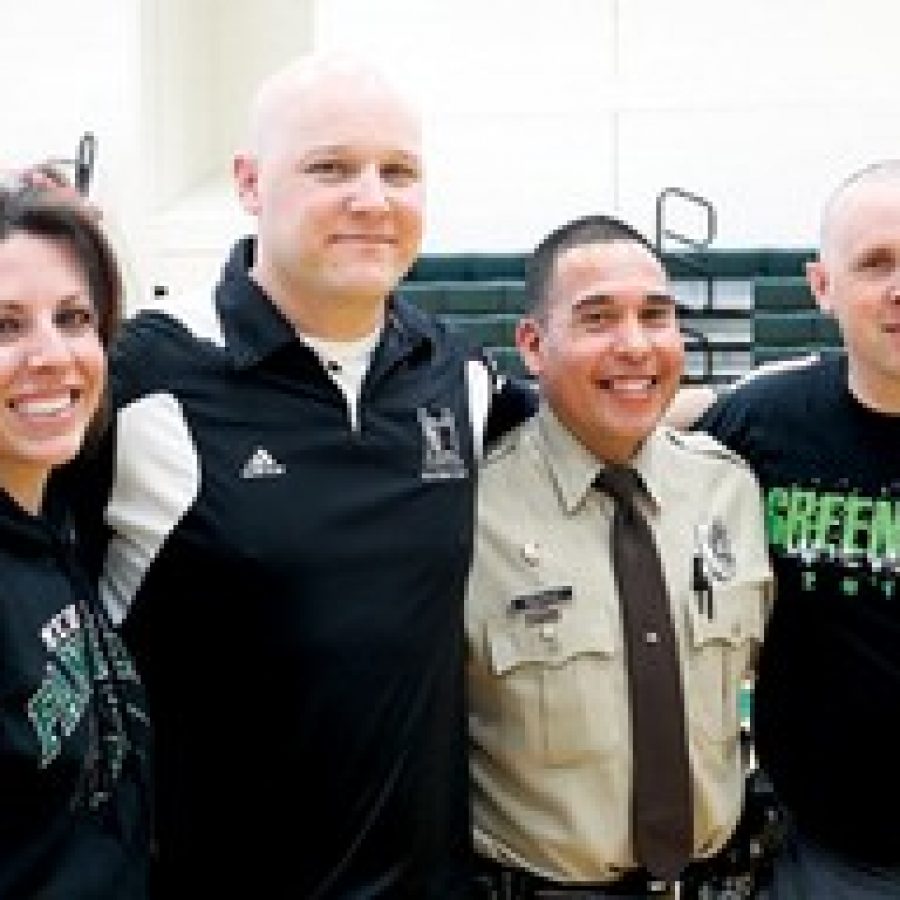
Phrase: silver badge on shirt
x=716 y=551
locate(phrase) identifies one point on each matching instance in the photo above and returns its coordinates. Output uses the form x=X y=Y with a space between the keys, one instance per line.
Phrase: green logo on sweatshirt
x=77 y=667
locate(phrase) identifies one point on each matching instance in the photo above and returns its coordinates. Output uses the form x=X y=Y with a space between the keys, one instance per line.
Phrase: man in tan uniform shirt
x=549 y=711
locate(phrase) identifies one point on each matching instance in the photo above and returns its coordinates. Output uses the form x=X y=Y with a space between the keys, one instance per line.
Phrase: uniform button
x=651 y=637
x=504 y=653
x=530 y=553
x=736 y=630
x=548 y=632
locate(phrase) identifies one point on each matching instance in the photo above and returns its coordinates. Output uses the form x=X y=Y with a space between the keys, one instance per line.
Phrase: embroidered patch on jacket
x=441 y=448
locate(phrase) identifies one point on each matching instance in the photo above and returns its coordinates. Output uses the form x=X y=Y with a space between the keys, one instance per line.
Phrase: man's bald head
x=845 y=195
x=307 y=86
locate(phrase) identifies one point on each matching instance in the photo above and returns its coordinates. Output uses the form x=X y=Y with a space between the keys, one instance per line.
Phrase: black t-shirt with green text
x=828 y=691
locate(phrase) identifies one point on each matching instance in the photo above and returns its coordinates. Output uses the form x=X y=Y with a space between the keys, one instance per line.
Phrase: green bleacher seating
x=489 y=329
x=468 y=267
x=485 y=311
x=795 y=328
x=786 y=320
x=452 y=298
x=785 y=262
x=782 y=293
x=720 y=263
x=483 y=294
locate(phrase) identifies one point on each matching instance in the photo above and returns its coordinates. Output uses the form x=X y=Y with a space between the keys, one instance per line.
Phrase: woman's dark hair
x=41 y=213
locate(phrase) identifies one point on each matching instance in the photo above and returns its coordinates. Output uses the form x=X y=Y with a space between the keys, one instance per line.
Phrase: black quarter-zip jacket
x=74 y=821
x=292 y=588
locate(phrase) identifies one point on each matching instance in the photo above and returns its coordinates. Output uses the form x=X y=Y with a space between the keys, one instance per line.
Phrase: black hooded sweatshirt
x=74 y=817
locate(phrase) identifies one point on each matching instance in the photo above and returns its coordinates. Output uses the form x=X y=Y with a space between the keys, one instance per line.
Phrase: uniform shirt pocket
x=721 y=650
x=555 y=691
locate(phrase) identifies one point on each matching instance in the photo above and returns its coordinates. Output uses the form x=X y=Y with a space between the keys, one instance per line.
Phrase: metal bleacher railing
x=699 y=339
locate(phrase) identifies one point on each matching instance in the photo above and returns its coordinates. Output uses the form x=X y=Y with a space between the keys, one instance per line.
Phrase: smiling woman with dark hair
x=73 y=735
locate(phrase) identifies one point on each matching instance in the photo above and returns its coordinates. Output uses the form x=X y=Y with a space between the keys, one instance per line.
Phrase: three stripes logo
x=262 y=464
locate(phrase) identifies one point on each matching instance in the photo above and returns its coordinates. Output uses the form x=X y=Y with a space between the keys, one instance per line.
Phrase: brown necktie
x=662 y=814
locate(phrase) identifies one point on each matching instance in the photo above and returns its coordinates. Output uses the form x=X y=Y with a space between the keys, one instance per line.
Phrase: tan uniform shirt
x=549 y=717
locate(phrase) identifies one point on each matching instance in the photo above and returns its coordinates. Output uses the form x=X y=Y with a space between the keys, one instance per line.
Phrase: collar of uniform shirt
x=573 y=468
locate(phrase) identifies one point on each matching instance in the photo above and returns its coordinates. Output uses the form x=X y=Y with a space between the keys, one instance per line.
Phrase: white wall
x=164 y=85
x=202 y=62
x=536 y=110
x=67 y=68
x=544 y=109
x=251 y=39
x=178 y=82
x=517 y=107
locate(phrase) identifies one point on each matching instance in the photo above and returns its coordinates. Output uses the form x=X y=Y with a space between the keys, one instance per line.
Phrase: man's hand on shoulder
x=43 y=178
x=688 y=405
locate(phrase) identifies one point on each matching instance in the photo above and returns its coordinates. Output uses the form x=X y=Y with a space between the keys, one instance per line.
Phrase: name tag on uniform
x=542 y=605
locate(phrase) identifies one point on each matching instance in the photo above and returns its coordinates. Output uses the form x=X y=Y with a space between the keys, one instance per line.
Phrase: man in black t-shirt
x=823 y=435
